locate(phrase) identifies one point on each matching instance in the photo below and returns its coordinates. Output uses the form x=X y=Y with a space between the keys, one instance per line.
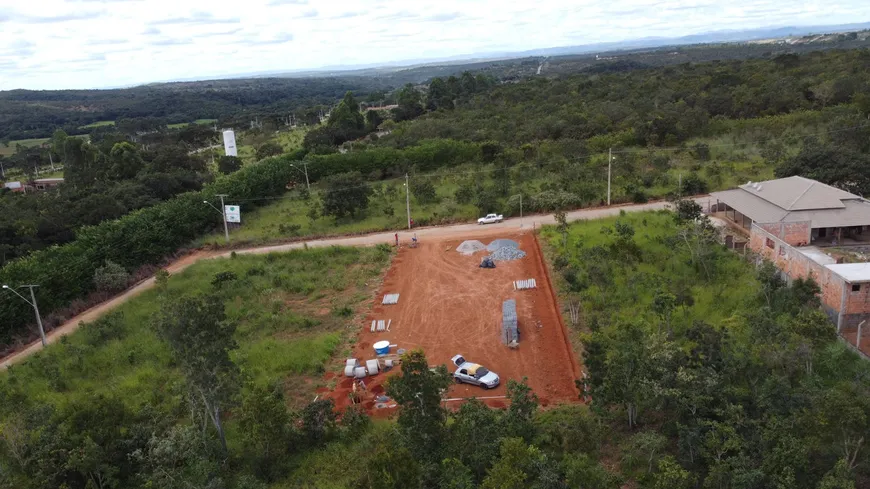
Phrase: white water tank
x=230 y=143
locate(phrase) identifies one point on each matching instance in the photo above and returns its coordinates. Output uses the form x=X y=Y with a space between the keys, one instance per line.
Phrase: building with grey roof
x=833 y=214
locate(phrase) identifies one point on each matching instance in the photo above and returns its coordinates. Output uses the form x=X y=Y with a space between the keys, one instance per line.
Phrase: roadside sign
x=234 y=213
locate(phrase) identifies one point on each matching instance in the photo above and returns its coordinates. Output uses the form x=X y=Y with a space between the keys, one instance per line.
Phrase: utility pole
x=224 y=214
x=35 y=309
x=2 y=171
x=609 y=161
x=521 y=210
x=858 y=339
x=305 y=166
x=680 y=186
x=51 y=160
x=408 y=199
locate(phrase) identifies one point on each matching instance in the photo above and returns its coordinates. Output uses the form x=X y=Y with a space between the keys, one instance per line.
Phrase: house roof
x=48 y=180
x=12 y=185
x=852 y=272
x=799 y=193
x=795 y=199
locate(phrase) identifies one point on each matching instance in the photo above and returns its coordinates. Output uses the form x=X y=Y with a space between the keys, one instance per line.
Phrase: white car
x=472 y=373
x=490 y=219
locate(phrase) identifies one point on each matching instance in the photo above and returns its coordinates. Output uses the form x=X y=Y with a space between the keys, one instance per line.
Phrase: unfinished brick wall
x=793 y=233
x=858 y=302
x=795 y=264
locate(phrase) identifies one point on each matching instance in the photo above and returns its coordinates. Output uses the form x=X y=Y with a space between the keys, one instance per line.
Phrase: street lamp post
x=223 y=214
x=305 y=166
x=32 y=302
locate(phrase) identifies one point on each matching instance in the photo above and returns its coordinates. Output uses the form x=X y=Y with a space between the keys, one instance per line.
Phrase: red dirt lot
x=448 y=306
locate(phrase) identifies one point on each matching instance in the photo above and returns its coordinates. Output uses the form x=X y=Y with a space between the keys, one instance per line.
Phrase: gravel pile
x=470 y=247
x=502 y=243
x=507 y=253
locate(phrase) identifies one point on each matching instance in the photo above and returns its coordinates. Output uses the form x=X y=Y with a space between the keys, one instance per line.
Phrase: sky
x=54 y=44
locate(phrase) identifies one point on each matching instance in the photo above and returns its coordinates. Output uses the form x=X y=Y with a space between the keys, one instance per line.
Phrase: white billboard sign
x=230 y=143
x=234 y=213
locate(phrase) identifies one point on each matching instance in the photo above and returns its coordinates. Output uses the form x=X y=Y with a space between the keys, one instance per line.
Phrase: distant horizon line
x=721 y=36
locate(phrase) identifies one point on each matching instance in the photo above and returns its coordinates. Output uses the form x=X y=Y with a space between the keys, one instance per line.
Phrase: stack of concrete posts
x=509 y=331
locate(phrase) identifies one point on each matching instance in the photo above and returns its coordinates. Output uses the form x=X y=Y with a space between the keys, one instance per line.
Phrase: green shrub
x=111 y=277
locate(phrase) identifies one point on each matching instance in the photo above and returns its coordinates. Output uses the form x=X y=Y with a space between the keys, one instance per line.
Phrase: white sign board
x=230 y=143
x=234 y=213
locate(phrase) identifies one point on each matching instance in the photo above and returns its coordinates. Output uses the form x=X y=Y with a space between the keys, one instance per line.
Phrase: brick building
x=781 y=206
x=845 y=287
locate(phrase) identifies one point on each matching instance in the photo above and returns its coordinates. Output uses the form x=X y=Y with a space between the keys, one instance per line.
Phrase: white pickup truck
x=490 y=219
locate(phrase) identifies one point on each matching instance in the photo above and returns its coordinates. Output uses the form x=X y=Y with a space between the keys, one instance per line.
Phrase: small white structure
x=230 y=143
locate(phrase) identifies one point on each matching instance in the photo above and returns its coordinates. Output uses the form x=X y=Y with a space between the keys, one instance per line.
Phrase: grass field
x=615 y=289
x=198 y=121
x=289 y=217
x=293 y=312
x=27 y=143
x=98 y=124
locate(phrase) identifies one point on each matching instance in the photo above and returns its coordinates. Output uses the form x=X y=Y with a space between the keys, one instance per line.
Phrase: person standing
x=397 y=240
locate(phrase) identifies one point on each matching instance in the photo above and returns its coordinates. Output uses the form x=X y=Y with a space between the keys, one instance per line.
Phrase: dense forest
x=106 y=177
x=35 y=114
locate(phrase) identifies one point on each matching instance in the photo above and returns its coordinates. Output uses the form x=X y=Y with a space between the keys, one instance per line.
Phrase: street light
x=610 y=159
x=35 y=308
x=304 y=165
x=222 y=213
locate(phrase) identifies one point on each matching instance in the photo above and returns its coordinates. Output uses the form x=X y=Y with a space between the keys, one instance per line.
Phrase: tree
x=410 y=104
x=229 y=164
x=455 y=475
x=423 y=190
x=671 y=475
x=646 y=446
x=840 y=477
x=373 y=120
x=562 y=225
x=521 y=466
x=519 y=419
x=178 y=459
x=686 y=210
x=439 y=96
x=111 y=277
x=269 y=149
x=693 y=185
x=346 y=194
x=125 y=161
x=318 y=421
x=841 y=167
x=201 y=338
x=265 y=429
x=663 y=305
x=346 y=118
x=422 y=419
x=474 y=436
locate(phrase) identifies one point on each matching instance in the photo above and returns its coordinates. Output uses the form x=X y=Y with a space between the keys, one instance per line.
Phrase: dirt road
x=456 y=231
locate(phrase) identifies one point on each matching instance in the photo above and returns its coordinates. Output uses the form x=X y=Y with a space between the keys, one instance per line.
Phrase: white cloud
x=100 y=43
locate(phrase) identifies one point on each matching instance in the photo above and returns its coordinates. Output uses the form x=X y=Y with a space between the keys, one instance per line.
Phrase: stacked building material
x=525 y=284
x=509 y=326
x=391 y=299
